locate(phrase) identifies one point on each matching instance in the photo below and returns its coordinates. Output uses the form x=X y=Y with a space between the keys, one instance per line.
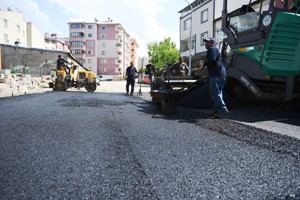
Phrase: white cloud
x=32 y=13
x=144 y=20
x=141 y=19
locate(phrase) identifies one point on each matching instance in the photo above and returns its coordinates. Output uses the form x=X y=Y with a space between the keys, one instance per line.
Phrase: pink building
x=105 y=48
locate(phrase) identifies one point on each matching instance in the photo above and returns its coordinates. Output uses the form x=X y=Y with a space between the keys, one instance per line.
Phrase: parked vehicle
x=106 y=77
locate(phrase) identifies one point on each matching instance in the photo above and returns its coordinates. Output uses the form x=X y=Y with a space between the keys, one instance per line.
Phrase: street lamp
x=190 y=48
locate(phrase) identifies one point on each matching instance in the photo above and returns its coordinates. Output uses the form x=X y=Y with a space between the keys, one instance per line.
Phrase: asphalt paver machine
x=170 y=88
x=264 y=58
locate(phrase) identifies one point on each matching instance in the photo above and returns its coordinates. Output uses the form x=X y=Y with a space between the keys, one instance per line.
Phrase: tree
x=162 y=53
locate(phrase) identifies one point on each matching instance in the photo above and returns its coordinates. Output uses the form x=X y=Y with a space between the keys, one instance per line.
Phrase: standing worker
x=131 y=73
x=150 y=72
x=217 y=77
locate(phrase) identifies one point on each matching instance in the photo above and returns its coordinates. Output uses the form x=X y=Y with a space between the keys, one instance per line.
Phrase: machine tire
x=60 y=86
x=90 y=87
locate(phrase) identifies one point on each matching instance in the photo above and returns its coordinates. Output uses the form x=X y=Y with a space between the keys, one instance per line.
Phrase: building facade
x=16 y=31
x=105 y=47
x=198 y=24
x=13 y=29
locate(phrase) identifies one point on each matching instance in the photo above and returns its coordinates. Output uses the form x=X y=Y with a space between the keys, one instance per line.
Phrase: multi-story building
x=13 y=29
x=197 y=24
x=16 y=31
x=105 y=47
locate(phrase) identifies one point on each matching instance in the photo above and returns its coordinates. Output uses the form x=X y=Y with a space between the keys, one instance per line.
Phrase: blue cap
x=209 y=39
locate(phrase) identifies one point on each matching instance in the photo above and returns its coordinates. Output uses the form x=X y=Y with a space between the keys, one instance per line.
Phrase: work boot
x=221 y=113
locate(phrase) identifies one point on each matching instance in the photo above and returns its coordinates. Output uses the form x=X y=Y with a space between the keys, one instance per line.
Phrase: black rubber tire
x=90 y=87
x=60 y=86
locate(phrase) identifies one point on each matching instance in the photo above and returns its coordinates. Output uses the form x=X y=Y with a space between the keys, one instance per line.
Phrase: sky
x=145 y=20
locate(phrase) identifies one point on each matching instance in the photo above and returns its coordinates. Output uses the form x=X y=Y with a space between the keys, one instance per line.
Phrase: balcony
x=77 y=26
x=187 y=53
x=77 y=51
x=76 y=34
x=118 y=44
x=118 y=27
x=78 y=47
x=118 y=36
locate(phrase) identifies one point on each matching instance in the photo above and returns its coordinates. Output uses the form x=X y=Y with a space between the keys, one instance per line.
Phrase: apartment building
x=104 y=47
x=16 y=31
x=197 y=24
x=13 y=29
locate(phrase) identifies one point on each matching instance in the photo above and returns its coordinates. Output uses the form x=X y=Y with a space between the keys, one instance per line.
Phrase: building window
x=203 y=35
x=204 y=16
x=5 y=37
x=193 y=44
x=103 y=61
x=89 y=60
x=90 y=43
x=103 y=35
x=77 y=26
x=81 y=60
x=77 y=43
x=103 y=44
x=77 y=51
x=5 y=23
x=103 y=69
x=103 y=53
x=90 y=35
x=187 y=24
x=77 y=34
x=103 y=28
x=90 y=27
x=90 y=52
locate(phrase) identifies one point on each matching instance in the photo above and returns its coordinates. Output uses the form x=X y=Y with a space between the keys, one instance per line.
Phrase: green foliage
x=162 y=53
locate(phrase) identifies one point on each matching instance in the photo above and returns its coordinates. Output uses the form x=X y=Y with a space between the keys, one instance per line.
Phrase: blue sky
x=145 y=20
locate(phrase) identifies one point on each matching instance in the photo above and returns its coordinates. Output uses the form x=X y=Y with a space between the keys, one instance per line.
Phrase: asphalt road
x=106 y=145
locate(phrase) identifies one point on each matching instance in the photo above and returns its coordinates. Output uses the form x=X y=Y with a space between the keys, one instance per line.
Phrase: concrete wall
x=37 y=62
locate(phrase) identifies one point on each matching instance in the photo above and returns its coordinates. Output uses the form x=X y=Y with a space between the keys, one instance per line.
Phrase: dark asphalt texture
x=78 y=145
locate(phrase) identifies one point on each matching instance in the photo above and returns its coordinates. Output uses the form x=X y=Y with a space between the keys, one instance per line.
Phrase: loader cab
x=252 y=22
x=246 y=20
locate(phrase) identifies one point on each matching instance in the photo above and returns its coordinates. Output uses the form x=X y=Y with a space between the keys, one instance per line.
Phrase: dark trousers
x=130 y=81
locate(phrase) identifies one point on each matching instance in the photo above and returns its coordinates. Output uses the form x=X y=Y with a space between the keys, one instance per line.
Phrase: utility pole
x=190 y=48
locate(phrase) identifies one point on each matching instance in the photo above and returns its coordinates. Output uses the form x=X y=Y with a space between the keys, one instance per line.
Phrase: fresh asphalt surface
x=106 y=145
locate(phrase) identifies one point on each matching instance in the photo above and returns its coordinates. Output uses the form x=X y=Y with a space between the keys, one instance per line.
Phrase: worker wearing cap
x=60 y=62
x=216 y=75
